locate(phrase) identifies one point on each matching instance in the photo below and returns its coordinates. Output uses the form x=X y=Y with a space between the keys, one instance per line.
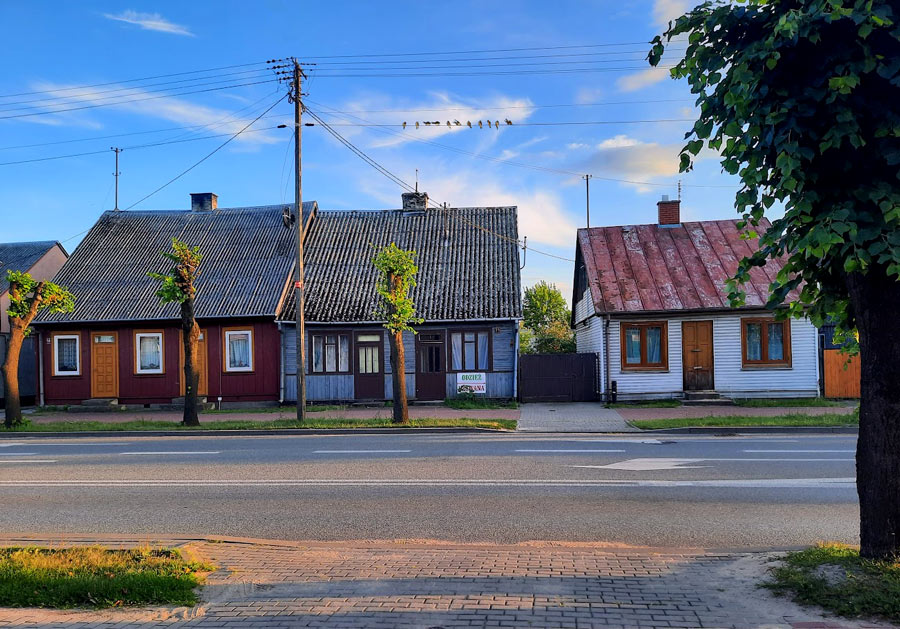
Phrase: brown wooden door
x=697 y=345
x=104 y=365
x=431 y=366
x=203 y=387
x=368 y=381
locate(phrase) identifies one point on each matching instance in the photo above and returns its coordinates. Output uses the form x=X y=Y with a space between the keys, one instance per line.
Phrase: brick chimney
x=204 y=201
x=669 y=211
x=415 y=201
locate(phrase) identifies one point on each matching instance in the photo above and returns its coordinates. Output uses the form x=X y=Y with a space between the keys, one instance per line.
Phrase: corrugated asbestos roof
x=638 y=268
x=20 y=256
x=247 y=256
x=465 y=272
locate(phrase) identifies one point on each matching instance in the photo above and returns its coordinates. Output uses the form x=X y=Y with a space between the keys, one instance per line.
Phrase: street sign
x=471 y=383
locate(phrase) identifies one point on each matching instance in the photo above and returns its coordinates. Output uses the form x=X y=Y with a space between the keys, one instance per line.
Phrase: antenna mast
x=117 y=173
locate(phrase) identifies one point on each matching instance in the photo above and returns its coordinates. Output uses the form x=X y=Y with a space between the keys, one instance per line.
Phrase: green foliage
x=836 y=578
x=178 y=285
x=398 y=275
x=543 y=305
x=95 y=577
x=556 y=338
x=27 y=297
x=800 y=100
x=783 y=402
x=739 y=421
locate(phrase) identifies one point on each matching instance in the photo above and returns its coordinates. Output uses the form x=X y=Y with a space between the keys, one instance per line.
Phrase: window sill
x=237 y=372
x=777 y=366
x=644 y=370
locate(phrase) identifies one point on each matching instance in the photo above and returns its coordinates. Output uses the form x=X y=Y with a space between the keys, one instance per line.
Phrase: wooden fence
x=841 y=377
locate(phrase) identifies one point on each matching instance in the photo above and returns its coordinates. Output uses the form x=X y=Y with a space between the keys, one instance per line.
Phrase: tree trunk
x=876 y=301
x=10 y=371
x=190 y=333
x=398 y=374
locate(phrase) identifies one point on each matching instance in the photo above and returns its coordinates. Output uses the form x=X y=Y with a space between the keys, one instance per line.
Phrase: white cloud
x=618 y=142
x=642 y=79
x=149 y=22
x=665 y=11
x=141 y=102
x=439 y=108
x=586 y=95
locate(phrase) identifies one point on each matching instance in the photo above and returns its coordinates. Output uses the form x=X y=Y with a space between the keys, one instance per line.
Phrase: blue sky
x=61 y=46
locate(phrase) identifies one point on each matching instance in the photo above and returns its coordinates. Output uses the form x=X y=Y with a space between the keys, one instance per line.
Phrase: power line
x=484 y=51
x=432 y=125
x=514 y=57
x=479 y=108
x=319 y=74
x=207 y=156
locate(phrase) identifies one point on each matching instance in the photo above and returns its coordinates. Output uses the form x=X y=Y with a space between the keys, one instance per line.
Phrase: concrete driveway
x=571 y=417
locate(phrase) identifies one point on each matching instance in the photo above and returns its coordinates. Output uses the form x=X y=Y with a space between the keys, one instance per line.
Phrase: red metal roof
x=636 y=268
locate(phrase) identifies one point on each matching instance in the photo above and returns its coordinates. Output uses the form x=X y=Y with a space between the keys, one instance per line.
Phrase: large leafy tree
x=27 y=297
x=800 y=98
x=177 y=286
x=546 y=318
x=397 y=275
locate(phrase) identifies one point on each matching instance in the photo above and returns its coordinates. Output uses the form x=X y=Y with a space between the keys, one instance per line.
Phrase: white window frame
x=137 y=354
x=228 y=334
x=56 y=371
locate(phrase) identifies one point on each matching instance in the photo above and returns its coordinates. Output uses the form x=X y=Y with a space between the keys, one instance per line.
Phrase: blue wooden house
x=468 y=292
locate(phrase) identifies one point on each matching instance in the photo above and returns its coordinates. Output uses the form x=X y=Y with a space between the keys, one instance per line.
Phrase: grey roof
x=247 y=256
x=468 y=261
x=20 y=256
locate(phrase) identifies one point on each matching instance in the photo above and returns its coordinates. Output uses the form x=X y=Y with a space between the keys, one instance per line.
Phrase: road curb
x=247 y=433
x=725 y=431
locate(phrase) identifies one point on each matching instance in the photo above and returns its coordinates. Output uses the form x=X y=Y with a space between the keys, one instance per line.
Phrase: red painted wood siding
x=262 y=384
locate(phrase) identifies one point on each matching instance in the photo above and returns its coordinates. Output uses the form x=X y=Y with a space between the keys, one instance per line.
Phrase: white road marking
x=164 y=484
x=172 y=452
x=563 y=451
x=28 y=461
x=648 y=464
x=802 y=451
x=360 y=451
x=17 y=453
x=10 y=445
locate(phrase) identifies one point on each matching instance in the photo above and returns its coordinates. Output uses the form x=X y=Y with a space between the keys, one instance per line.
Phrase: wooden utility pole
x=299 y=287
x=117 y=173
x=587 y=189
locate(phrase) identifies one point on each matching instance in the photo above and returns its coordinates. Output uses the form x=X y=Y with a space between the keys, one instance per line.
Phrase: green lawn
x=310 y=408
x=739 y=421
x=81 y=426
x=834 y=577
x=647 y=404
x=92 y=576
x=800 y=401
x=470 y=403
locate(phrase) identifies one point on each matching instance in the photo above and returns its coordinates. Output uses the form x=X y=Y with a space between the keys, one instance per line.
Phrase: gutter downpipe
x=40 y=340
x=516 y=366
x=606 y=357
x=282 y=361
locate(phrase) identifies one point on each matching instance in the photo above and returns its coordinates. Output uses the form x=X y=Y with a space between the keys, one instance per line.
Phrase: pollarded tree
x=178 y=286
x=27 y=297
x=800 y=98
x=397 y=268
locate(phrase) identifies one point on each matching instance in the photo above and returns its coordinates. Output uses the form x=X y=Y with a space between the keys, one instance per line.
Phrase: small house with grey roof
x=468 y=292
x=652 y=302
x=41 y=260
x=120 y=344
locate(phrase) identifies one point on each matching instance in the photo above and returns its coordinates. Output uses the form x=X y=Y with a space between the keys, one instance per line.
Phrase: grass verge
x=319 y=423
x=739 y=421
x=468 y=404
x=799 y=401
x=834 y=577
x=310 y=408
x=647 y=404
x=96 y=577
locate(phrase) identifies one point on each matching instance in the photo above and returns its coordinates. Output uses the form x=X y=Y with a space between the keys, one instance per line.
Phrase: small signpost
x=475 y=383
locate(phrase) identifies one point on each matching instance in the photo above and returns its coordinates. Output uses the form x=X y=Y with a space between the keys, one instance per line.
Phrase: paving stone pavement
x=572 y=417
x=422 y=585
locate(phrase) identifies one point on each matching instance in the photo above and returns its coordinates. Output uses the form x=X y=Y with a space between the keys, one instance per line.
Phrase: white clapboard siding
x=731 y=379
x=584 y=307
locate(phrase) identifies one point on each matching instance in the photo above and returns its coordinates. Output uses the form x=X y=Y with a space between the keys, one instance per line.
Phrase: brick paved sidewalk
x=439 y=585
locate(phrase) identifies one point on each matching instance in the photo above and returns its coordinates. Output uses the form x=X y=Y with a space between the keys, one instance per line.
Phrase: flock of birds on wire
x=457 y=123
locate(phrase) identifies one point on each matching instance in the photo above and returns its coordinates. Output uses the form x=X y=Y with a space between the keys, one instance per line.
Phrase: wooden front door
x=431 y=366
x=203 y=387
x=697 y=345
x=368 y=381
x=104 y=365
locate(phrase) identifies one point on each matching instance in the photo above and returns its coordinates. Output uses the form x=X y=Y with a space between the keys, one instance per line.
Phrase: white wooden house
x=651 y=300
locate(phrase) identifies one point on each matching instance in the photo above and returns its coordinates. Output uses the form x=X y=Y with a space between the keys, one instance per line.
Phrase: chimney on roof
x=204 y=201
x=415 y=201
x=669 y=211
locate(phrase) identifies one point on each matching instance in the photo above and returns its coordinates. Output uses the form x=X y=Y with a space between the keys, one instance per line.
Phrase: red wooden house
x=121 y=345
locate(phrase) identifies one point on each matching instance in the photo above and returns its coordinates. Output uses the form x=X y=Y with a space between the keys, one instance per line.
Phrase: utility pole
x=299 y=286
x=587 y=189
x=117 y=173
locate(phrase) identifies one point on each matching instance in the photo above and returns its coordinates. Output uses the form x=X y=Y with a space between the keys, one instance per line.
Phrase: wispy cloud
x=149 y=22
x=642 y=79
x=665 y=11
x=586 y=95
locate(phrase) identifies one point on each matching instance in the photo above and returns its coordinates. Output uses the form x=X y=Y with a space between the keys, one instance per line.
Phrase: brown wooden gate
x=841 y=377
x=558 y=377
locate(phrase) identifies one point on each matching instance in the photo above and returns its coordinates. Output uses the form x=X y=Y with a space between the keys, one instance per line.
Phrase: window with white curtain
x=148 y=348
x=644 y=346
x=330 y=353
x=66 y=355
x=470 y=350
x=766 y=343
x=238 y=350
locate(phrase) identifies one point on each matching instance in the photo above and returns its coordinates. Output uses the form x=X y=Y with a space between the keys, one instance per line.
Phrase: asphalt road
x=723 y=492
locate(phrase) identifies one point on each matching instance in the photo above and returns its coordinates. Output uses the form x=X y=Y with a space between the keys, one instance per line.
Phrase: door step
x=100 y=401
x=178 y=404
x=97 y=405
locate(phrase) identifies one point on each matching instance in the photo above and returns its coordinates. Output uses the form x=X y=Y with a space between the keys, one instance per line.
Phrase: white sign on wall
x=471 y=383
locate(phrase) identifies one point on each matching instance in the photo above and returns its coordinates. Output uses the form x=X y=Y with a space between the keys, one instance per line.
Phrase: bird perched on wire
x=507 y=121
x=469 y=123
x=457 y=123
x=497 y=124
x=417 y=124
x=404 y=124
x=448 y=123
x=481 y=127
x=427 y=124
